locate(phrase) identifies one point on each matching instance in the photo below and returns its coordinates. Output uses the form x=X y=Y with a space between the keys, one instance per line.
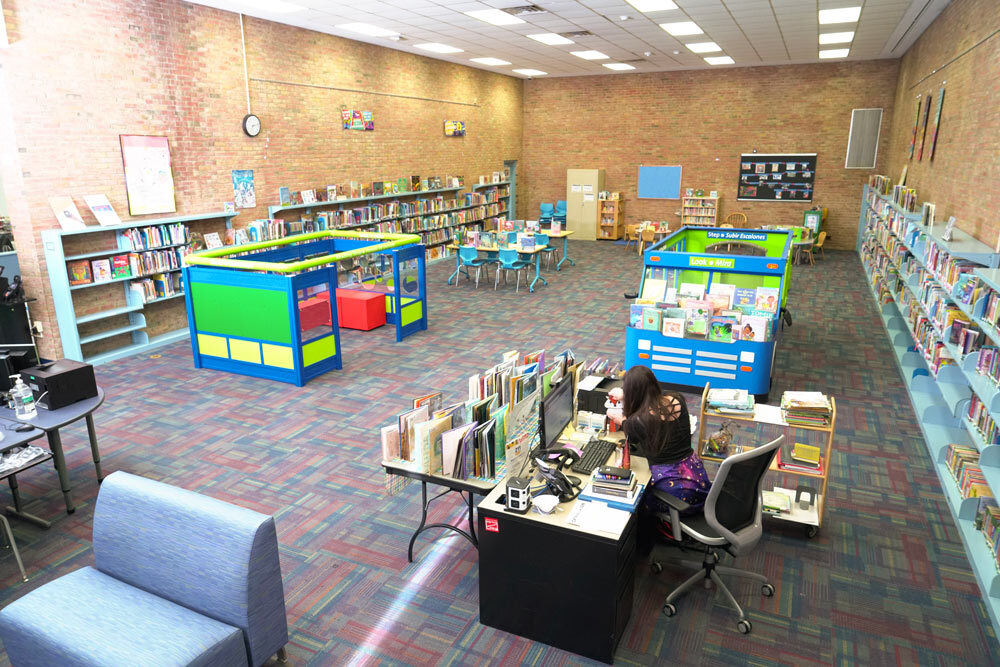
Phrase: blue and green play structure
x=243 y=301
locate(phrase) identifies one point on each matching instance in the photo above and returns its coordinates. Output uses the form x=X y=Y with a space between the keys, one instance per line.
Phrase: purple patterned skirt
x=685 y=480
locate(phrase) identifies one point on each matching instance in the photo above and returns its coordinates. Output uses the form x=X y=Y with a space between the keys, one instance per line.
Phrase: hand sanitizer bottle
x=24 y=400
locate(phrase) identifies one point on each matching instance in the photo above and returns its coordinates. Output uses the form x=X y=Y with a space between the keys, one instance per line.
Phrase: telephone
x=565 y=487
x=561 y=457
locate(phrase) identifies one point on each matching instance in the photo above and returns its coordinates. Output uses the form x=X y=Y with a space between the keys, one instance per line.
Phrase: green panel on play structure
x=247 y=312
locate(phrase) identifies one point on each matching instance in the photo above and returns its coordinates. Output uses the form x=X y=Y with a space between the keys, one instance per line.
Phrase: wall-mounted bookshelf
x=933 y=296
x=699 y=211
x=107 y=316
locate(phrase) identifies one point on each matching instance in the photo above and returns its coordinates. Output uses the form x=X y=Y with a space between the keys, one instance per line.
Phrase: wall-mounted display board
x=659 y=182
x=777 y=177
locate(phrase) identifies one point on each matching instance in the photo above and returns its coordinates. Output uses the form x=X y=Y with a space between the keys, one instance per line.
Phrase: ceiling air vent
x=576 y=35
x=526 y=10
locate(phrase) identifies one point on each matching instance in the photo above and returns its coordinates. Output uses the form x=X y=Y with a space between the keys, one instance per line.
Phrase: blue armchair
x=179 y=579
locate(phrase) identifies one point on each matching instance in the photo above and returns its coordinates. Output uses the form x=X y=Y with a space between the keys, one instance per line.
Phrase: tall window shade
x=862 y=142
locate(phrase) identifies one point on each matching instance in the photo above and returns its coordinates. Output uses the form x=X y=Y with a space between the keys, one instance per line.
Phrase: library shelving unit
x=609 y=225
x=894 y=245
x=699 y=211
x=771 y=416
x=107 y=320
x=496 y=192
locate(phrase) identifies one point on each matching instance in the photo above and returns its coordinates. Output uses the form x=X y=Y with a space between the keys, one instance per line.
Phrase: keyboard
x=595 y=454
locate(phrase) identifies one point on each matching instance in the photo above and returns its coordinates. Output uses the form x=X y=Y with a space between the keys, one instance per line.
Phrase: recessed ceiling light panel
x=590 y=55
x=719 y=60
x=836 y=37
x=550 y=38
x=368 y=29
x=436 y=47
x=619 y=67
x=840 y=15
x=682 y=28
x=652 y=5
x=493 y=62
x=530 y=72
x=704 y=47
x=834 y=53
x=494 y=17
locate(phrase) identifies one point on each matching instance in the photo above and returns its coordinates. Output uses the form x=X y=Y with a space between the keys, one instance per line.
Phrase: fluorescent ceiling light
x=438 y=48
x=494 y=16
x=550 y=38
x=495 y=62
x=368 y=29
x=704 y=47
x=719 y=60
x=682 y=28
x=836 y=37
x=275 y=6
x=618 y=67
x=652 y=5
x=590 y=55
x=842 y=15
x=834 y=53
x=530 y=72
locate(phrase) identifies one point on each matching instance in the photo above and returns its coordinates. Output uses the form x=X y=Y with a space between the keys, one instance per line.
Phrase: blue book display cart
x=703 y=257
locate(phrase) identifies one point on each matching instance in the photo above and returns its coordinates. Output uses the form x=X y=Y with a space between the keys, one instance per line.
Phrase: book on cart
x=806 y=408
x=786 y=461
x=775 y=502
x=738 y=402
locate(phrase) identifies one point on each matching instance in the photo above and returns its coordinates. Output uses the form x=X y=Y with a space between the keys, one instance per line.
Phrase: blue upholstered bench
x=179 y=579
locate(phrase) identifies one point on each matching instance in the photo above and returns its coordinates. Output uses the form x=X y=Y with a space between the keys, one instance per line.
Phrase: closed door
x=582 y=212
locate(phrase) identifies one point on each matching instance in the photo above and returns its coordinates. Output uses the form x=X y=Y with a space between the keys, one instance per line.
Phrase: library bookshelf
x=770 y=415
x=894 y=246
x=610 y=216
x=699 y=211
x=107 y=320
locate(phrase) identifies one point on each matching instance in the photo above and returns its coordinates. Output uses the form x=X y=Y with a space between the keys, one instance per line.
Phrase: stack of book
x=806 y=408
x=731 y=401
x=614 y=484
x=800 y=458
x=775 y=502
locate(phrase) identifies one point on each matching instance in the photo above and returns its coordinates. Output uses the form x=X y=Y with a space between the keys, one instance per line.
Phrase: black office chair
x=731 y=520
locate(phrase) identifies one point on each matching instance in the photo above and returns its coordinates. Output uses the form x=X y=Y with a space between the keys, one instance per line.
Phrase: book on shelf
x=120 y=267
x=101 y=269
x=284 y=196
x=79 y=272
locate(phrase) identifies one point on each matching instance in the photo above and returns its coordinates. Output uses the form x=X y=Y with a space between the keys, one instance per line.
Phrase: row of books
x=142 y=238
x=879 y=183
x=358 y=190
x=495 y=177
x=904 y=197
x=489 y=196
x=963 y=462
x=659 y=285
x=128 y=265
x=988 y=522
x=157 y=286
x=979 y=416
x=806 y=408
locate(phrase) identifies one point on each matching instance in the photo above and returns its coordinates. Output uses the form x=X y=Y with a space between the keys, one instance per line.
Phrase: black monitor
x=555 y=412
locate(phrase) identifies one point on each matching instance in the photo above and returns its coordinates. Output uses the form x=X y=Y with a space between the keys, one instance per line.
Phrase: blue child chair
x=469 y=257
x=548 y=250
x=545 y=212
x=560 y=213
x=510 y=260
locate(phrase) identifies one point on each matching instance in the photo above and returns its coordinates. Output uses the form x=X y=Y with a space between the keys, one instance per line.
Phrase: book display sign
x=777 y=177
x=353 y=119
x=148 y=179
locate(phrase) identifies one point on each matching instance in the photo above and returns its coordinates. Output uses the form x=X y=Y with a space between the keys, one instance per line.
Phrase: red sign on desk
x=492 y=525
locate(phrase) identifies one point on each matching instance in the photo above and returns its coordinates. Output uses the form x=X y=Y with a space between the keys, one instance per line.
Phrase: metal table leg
x=55 y=444
x=13 y=545
x=94 y=451
x=565 y=257
x=17 y=509
x=538 y=273
x=447 y=526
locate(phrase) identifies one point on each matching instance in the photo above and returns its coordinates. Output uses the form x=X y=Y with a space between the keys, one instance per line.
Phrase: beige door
x=582 y=186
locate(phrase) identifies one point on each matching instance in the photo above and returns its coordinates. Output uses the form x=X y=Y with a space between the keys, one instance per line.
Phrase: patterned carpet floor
x=886 y=581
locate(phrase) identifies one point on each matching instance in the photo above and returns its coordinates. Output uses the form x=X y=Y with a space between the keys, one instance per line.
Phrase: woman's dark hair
x=641 y=390
x=652 y=417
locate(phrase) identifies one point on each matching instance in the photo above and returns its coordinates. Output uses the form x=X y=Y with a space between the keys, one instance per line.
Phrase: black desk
x=545 y=579
x=50 y=421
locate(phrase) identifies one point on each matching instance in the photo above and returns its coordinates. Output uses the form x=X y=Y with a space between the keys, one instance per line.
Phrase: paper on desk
x=589 y=383
x=596 y=516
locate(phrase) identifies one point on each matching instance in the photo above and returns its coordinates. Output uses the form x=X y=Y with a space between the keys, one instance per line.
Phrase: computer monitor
x=555 y=412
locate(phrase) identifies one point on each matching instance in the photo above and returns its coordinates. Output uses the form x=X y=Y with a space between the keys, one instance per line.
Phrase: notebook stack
x=800 y=458
x=731 y=402
x=806 y=408
x=617 y=485
x=775 y=502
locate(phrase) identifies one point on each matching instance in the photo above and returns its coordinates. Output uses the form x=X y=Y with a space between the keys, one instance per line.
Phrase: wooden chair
x=820 y=240
x=648 y=236
x=631 y=234
x=736 y=220
x=726 y=225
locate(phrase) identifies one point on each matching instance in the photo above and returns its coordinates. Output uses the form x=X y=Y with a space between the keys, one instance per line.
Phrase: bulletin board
x=776 y=177
x=659 y=182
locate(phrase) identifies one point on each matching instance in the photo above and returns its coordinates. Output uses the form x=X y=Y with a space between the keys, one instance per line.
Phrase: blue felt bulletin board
x=659 y=182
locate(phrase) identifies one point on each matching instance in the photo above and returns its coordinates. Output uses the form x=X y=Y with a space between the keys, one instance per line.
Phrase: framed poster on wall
x=148 y=179
x=776 y=177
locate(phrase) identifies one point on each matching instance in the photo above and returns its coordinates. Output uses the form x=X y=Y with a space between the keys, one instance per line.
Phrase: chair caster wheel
x=744 y=627
x=767 y=590
x=812 y=531
x=656 y=568
x=669 y=610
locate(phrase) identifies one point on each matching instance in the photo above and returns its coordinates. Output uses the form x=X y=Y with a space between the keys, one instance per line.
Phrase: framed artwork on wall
x=149 y=182
x=454 y=128
x=916 y=124
x=937 y=120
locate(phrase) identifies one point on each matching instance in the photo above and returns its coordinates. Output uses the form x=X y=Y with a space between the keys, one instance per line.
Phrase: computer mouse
x=24 y=427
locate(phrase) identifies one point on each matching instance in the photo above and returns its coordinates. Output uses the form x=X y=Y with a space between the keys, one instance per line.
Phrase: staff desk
x=493 y=250
x=51 y=421
x=564 y=235
x=545 y=579
x=472 y=487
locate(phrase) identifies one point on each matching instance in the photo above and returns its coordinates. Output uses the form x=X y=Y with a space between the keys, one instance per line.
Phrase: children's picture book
x=120 y=267
x=331 y=193
x=634 y=315
x=652 y=319
x=102 y=270
x=723 y=289
x=212 y=240
x=698 y=314
x=240 y=237
x=754 y=329
x=308 y=196
x=654 y=289
x=745 y=296
x=229 y=206
x=720 y=329
x=79 y=272
x=66 y=213
x=673 y=327
x=719 y=302
x=692 y=289
x=555 y=227
x=102 y=210
x=768 y=299
x=285 y=199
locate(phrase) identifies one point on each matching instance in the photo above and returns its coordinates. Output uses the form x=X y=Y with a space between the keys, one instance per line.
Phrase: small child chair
x=510 y=260
x=545 y=212
x=542 y=241
x=469 y=257
x=560 y=214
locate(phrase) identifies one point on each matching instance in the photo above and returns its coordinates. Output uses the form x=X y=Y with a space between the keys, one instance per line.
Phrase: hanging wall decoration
x=923 y=127
x=454 y=128
x=916 y=123
x=243 y=191
x=357 y=120
x=148 y=180
x=937 y=119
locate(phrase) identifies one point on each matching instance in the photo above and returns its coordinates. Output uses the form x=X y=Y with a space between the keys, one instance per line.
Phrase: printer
x=60 y=383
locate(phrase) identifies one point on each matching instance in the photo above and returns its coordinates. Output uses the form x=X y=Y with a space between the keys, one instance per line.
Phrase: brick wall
x=963 y=179
x=703 y=120
x=78 y=74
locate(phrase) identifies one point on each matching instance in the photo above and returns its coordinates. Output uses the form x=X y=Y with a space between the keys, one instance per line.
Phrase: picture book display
x=67 y=214
x=102 y=210
x=776 y=177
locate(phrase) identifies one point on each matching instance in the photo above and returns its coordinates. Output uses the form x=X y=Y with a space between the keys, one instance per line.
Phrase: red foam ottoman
x=360 y=310
x=313 y=313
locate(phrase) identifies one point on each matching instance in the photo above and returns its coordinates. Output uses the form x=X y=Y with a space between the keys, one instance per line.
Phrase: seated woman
x=658 y=428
